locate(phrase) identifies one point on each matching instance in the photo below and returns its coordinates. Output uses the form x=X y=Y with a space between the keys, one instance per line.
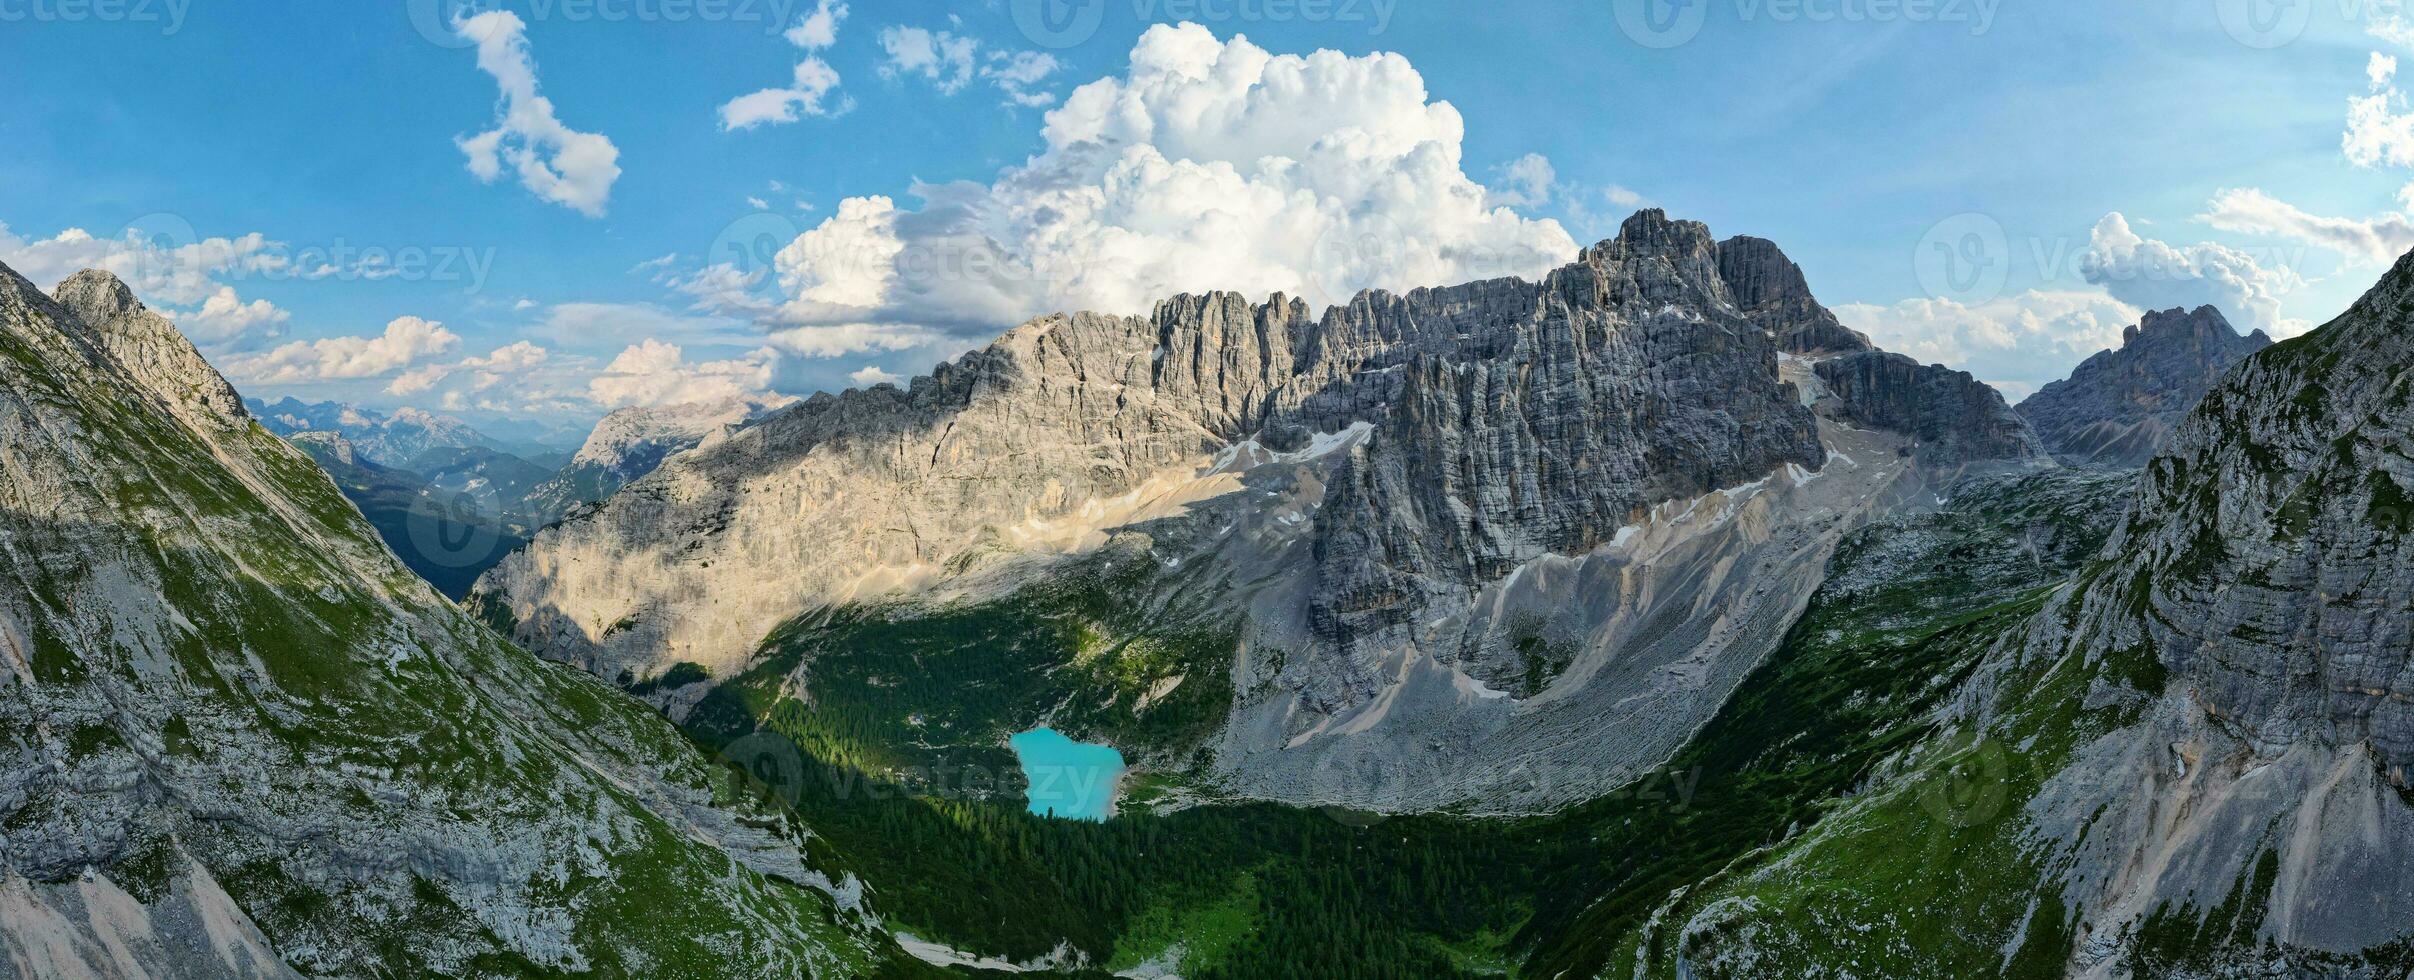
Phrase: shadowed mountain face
x=2120 y=407
x=237 y=738
x=1443 y=532
x=449 y=526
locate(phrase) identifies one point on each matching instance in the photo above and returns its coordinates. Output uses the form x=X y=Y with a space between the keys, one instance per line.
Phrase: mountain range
x=1449 y=534
x=1637 y=620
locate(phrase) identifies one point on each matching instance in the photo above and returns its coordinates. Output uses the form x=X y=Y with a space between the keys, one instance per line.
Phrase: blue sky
x=2071 y=153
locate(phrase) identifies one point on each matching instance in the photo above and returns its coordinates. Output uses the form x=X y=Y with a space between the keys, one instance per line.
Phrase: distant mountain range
x=451 y=502
x=387 y=440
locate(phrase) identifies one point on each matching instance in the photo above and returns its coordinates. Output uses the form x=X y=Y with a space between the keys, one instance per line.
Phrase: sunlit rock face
x=1455 y=528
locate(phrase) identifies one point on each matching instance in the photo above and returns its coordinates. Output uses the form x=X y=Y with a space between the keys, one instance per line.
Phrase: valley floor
x=1258 y=890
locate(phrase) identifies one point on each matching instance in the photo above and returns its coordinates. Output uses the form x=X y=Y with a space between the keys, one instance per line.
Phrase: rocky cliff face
x=1769 y=288
x=1606 y=491
x=2120 y=407
x=2189 y=761
x=238 y=739
x=2267 y=568
x=1952 y=417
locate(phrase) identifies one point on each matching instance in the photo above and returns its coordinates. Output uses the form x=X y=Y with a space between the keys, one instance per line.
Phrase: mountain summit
x=1377 y=533
x=2119 y=407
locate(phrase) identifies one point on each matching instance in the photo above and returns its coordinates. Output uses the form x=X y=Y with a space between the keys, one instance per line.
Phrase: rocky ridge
x=241 y=740
x=1412 y=504
x=2191 y=759
x=2266 y=567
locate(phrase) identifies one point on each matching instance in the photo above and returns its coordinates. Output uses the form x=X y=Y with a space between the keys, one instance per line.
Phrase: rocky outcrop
x=1770 y=290
x=327 y=447
x=1360 y=490
x=151 y=350
x=1954 y=418
x=2119 y=407
x=237 y=738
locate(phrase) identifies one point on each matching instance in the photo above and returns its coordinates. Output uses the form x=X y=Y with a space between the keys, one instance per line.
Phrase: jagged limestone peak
x=1408 y=457
x=1771 y=290
x=96 y=295
x=2119 y=407
x=151 y=349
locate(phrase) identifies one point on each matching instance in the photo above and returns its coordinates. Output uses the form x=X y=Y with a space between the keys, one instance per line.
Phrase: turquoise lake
x=1070 y=779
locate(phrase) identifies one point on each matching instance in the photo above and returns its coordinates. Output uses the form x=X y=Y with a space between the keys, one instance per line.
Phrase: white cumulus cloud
x=654 y=373
x=950 y=61
x=2017 y=343
x=871 y=374
x=2150 y=274
x=503 y=364
x=169 y=272
x=406 y=340
x=1208 y=164
x=555 y=162
x=2249 y=210
x=818 y=29
x=225 y=318
x=806 y=94
x=943 y=58
x=1525 y=182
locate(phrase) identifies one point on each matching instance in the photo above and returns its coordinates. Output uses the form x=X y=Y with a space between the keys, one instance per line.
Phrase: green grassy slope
x=223 y=673
x=888 y=697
